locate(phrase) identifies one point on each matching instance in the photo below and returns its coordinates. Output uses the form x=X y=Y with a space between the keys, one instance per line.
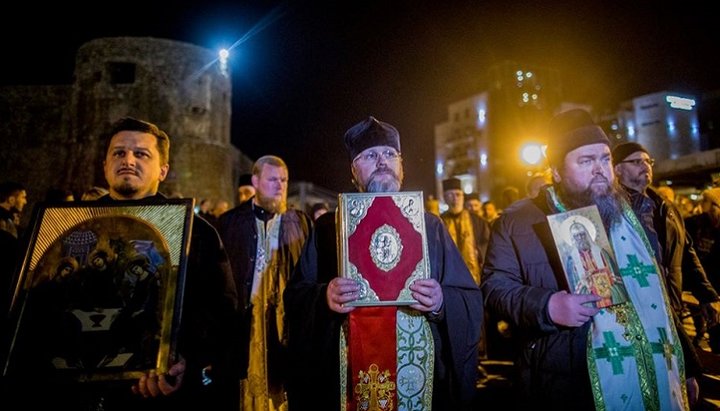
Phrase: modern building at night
x=668 y=124
x=485 y=135
x=709 y=115
x=489 y=139
x=461 y=146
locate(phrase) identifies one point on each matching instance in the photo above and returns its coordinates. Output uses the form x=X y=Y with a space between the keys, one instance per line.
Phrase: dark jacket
x=204 y=338
x=210 y=309
x=207 y=335
x=707 y=242
x=518 y=280
x=238 y=231
x=683 y=270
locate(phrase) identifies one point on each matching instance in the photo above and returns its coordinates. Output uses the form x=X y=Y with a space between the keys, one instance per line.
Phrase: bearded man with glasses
x=673 y=245
x=316 y=304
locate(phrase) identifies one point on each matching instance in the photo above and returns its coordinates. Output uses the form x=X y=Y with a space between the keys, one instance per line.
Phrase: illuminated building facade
x=461 y=146
x=482 y=141
x=668 y=124
x=665 y=123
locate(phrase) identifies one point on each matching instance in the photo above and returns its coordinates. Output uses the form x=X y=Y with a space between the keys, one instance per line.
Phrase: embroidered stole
x=461 y=231
x=634 y=358
x=386 y=360
x=266 y=291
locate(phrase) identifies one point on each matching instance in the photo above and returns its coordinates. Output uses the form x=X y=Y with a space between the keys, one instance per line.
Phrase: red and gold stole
x=381 y=373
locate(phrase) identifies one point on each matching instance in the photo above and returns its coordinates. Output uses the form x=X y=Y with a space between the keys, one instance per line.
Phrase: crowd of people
x=269 y=323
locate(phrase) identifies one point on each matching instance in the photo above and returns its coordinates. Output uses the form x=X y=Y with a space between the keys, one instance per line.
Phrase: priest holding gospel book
x=405 y=357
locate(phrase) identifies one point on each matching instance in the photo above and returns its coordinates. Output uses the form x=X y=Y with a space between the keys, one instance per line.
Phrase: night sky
x=307 y=72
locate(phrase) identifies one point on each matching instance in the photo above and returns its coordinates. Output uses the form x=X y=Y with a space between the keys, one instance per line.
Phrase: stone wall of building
x=57 y=135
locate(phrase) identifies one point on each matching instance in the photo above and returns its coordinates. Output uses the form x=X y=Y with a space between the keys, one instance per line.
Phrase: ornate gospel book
x=382 y=244
x=587 y=258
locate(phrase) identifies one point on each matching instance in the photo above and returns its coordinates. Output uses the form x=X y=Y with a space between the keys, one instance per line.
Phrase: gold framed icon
x=99 y=293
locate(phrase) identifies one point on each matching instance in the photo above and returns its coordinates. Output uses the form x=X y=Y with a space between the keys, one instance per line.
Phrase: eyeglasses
x=640 y=161
x=372 y=156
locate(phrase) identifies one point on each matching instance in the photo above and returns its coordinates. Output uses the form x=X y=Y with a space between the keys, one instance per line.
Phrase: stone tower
x=55 y=135
x=178 y=86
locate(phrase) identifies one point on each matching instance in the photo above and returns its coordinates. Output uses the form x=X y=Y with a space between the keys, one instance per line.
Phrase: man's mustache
x=600 y=179
x=381 y=171
x=124 y=170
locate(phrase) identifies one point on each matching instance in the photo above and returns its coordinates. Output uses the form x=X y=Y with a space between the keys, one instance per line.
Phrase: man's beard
x=584 y=246
x=609 y=201
x=639 y=181
x=271 y=205
x=125 y=189
x=378 y=185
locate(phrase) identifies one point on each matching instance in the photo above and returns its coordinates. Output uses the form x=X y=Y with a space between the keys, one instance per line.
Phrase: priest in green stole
x=419 y=357
x=572 y=355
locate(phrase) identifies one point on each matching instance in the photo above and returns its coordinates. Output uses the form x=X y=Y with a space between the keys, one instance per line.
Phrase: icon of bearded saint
x=590 y=268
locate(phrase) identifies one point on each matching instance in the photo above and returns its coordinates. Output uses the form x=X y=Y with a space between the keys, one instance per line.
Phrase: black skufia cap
x=569 y=130
x=370 y=133
x=451 y=184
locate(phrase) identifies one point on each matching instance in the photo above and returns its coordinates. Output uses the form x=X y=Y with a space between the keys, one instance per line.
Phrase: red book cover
x=382 y=244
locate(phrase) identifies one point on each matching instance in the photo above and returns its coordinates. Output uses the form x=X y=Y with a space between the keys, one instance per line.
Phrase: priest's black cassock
x=314 y=330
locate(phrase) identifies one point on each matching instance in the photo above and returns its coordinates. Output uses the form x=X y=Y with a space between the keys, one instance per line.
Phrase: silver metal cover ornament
x=385 y=247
